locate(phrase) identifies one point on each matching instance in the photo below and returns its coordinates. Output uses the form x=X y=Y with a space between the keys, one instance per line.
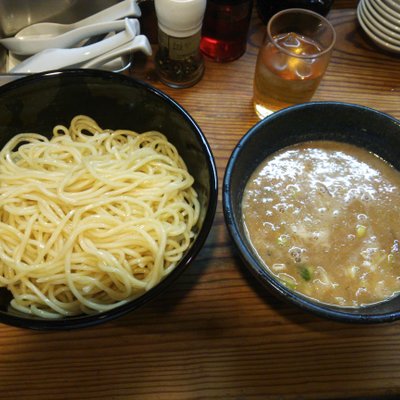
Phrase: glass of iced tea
x=292 y=59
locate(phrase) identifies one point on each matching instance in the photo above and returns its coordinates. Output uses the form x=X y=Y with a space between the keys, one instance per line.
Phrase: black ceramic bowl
x=342 y=122
x=37 y=103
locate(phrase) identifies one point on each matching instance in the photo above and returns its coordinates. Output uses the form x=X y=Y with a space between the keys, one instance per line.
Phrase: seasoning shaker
x=178 y=61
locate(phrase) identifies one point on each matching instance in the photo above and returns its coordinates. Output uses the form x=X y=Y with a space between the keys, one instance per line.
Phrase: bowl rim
x=379 y=29
x=377 y=33
x=379 y=10
x=383 y=6
x=395 y=4
x=83 y=321
x=253 y=264
x=378 y=41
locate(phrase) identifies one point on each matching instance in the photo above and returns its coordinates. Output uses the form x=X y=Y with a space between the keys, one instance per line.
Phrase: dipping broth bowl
x=38 y=102
x=334 y=121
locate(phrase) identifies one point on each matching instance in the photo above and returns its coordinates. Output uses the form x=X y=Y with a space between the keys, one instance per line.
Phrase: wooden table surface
x=215 y=334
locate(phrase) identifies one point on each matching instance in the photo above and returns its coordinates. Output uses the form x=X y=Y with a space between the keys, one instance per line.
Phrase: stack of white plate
x=380 y=19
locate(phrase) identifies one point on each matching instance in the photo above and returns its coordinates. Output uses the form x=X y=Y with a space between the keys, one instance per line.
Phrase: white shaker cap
x=180 y=18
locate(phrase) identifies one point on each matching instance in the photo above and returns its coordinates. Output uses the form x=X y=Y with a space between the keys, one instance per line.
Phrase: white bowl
x=389 y=34
x=372 y=35
x=380 y=5
x=387 y=40
x=379 y=29
x=385 y=17
x=375 y=15
x=393 y=4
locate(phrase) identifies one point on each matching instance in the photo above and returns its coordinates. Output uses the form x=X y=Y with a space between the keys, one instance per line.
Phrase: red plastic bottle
x=225 y=28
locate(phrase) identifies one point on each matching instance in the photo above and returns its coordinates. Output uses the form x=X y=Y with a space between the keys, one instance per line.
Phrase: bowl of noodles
x=108 y=191
x=311 y=198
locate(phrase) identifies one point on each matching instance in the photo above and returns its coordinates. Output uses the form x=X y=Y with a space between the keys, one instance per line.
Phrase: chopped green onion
x=289 y=285
x=352 y=271
x=306 y=273
x=287 y=280
x=283 y=240
x=361 y=230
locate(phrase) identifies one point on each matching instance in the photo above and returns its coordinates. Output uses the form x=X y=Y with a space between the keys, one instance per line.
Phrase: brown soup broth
x=323 y=218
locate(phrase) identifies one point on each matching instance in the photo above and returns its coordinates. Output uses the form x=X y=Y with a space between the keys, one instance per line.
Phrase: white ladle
x=125 y=8
x=32 y=45
x=140 y=43
x=60 y=58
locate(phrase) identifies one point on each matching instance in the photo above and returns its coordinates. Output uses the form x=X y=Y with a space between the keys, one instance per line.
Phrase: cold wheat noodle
x=91 y=218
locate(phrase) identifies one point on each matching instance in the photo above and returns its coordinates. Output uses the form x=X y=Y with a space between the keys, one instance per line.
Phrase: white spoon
x=59 y=58
x=140 y=43
x=123 y=9
x=34 y=44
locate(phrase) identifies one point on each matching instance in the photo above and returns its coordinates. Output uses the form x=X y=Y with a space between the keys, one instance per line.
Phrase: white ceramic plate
x=393 y=4
x=380 y=5
x=380 y=12
x=379 y=29
x=386 y=39
x=369 y=9
x=378 y=41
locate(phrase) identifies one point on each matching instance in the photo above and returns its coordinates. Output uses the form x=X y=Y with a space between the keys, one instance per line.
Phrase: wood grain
x=215 y=334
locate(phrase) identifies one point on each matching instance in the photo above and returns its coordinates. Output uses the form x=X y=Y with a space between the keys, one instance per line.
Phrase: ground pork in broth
x=324 y=218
